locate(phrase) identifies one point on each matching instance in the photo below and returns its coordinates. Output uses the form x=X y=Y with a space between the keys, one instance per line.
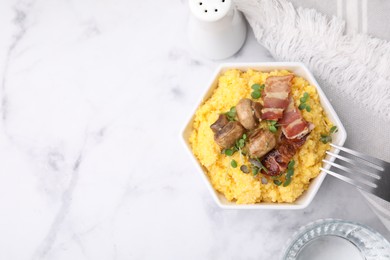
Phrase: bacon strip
x=276 y=92
x=293 y=124
x=277 y=160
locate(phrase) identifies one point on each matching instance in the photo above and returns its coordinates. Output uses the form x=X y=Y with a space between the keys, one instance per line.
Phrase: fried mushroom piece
x=245 y=114
x=260 y=143
x=227 y=136
x=220 y=123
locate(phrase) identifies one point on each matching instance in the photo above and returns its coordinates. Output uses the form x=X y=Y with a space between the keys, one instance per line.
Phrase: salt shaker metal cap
x=217 y=30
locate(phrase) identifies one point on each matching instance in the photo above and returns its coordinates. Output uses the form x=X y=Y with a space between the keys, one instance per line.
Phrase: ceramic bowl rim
x=309 y=194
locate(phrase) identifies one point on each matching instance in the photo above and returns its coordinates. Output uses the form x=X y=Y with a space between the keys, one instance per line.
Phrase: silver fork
x=363 y=171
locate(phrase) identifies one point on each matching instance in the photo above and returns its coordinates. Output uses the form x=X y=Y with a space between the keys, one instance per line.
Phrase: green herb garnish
x=264 y=169
x=257 y=88
x=304 y=98
x=231 y=114
x=291 y=164
x=304 y=104
x=326 y=138
x=277 y=182
x=233 y=163
x=290 y=169
x=290 y=173
x=287 y=182
x=256 y=94
x=240 y=143
x=333 y=129
x=257 y=166
x=272 y=126
x=255 y=170
x=228 y=152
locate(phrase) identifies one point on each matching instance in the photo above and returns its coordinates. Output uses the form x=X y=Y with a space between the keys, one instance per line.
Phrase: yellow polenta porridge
x=261 y=136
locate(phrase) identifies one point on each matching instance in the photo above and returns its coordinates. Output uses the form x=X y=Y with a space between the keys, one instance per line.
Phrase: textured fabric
x=352 y=68
x=361 y=16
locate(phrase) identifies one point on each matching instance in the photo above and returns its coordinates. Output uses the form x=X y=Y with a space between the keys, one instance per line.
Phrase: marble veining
x=93 y=98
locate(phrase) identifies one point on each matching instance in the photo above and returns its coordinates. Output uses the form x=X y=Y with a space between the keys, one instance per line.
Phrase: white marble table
x=93 y=97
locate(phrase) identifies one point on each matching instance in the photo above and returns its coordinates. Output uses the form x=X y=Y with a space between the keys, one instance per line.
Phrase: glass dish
x=337 y=240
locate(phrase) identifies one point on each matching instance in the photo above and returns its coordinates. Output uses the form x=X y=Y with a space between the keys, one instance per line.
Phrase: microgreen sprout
x=326 y=138
x=255 y=170
x=333 y=129
x=277 y=182
x=231 y=114
x=304 y=105
x=228 y=152
x=290 y=173
x=240 y=143
x=257 y=88
x=273 y=126
x=233 y=163
x=257 y=166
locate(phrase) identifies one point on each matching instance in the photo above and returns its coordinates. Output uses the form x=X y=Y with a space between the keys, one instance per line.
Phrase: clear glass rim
x=331 y=235
x=302 y=231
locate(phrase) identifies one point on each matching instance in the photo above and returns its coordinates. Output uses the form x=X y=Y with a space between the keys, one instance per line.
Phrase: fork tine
x=353 y=171
x=364 y=163
x=361 y=184
x=362 y=156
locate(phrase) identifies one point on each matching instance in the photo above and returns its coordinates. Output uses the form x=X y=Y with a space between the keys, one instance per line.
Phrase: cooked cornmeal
x=245 y=188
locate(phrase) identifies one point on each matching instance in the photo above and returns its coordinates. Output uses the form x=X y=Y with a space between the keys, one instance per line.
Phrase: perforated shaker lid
x=210 y=10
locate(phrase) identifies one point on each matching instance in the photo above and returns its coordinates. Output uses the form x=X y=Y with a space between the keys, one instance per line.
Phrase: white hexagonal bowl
x=339 y=138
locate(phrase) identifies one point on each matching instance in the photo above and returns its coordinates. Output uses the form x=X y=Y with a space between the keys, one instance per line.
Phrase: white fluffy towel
x=358 y=64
